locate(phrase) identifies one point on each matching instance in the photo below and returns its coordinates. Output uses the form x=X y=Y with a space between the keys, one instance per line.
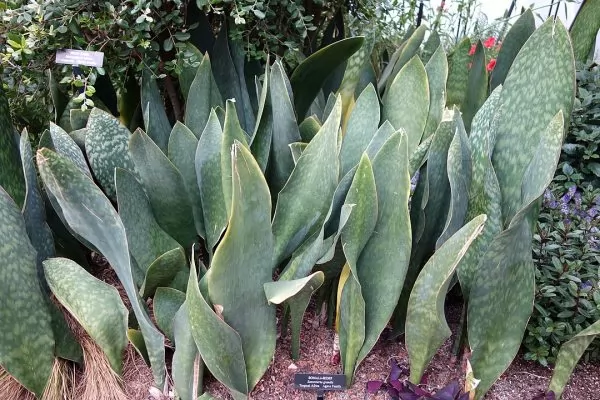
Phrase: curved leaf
x=262 y=137
x=309 y=76
x=156 y=121
x=458 y=73
x=89 y=213
x=477 y=86
x=203 y=96
x=96 y=305
x=163 y=270
x=437 y=75
x=62 y=143
x=426 y=326
x=584 y=29
x=165 y=303
x=187 y=368
x=11 y=174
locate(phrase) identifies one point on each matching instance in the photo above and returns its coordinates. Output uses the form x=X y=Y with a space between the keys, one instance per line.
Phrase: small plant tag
x=320 y=382
x=80 y=57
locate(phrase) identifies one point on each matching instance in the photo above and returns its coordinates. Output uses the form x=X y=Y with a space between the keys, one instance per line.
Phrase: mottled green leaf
x=543 y=68
x=59 y=99
x=477 y=86
x=165 y=303
x=584 y=29
x=11 y=174
x=437 y=74
x=458 y=73
x=568 y=356
x=95 y=305
x=512 y=43
x=297 y=149
x=156 y=121
x=299 y=212
x=355 y=235
x=384 y=132
x=426 y=326
x=310 y=75
x=165 y=188
x=410 y=48
x=384 y=260
x=431 y=45
x=361 y=127
x=406 y=102
x=78 y=118
x=106 y=144
x=208 y=173
x=203 y=96
x=89 y=213
x=182 y=153
x=63 y=144
x=285 y=130
x=78 y=137
x=243 y=263
x=419 y=156
x=26 y=343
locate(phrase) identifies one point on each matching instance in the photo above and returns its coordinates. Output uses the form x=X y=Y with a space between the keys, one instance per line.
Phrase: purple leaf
x=374 y=386
x=417 y=390
x=397 y=385
x=392 y=392
x=545 y=396
x=449 y=392
x=409 y=396
x=396 y=370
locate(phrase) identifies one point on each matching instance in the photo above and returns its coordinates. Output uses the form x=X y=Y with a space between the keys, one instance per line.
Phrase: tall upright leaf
x=477 y=86
x=203 y=96
x=26 y=343
x=437 y=74
x=458 y=73
x=300 y=212
x=262 y=137
x=511 y=45
x=406 y=102
x=89 y=213
x=426 y=326
x=156 y=121
x=584 y=29
x=165 y=188
x=11 y=175
x=543 y=67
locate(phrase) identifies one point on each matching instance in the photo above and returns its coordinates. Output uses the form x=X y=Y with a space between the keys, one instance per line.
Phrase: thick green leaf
x=59 y=99
x=78 y=137
x=300 y=212
x=569 y=355
x=297 y=294
x=26 y=343
x=406 y=102
x=309 y=76
x=188 y=368
x=78 y=118
x=165 y=304
x=297 y=149
x=353 y=70
x=203 y=96
x=543 y=68
x=106 y=144
x=208 y=173
x=385 y=131
x=361 y=127
x=410 y=49
x=163 y=270
x=262 y=136
x=309 y=128
x=355 y=235
x=165 y=188
x=426 y=326
x=458 y=73
x=89 y=213
x=232 y=132
x=384 y=260
x=182 y=153
x=512 y=43
x=477 y=86
x=431 y=45
x=243 y=263
x=437 y=74
x=285 y=130
x=584 y=29
x=419 y=156
x=459 y=168
x=95 y=305
x=11 y=174
x=147 y=240
x=156 y=121
x=228 y=70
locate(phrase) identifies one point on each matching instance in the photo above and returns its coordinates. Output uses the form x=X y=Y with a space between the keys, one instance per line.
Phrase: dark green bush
x=567 y=244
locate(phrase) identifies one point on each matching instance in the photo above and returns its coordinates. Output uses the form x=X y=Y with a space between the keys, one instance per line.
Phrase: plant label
x=80 y=57
x=320 y=382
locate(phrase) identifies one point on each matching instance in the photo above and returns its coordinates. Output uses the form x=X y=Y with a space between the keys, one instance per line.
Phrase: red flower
x=491 y=64
x=489 y=42
x=472 y=50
